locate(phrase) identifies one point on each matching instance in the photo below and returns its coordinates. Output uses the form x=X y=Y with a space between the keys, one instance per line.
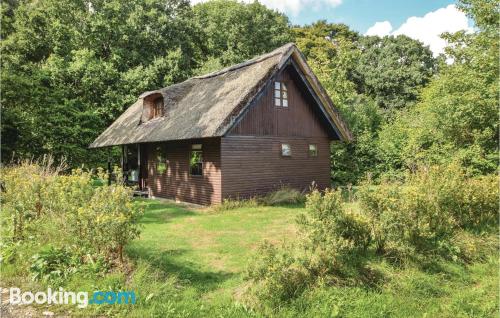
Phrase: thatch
x=204 y=106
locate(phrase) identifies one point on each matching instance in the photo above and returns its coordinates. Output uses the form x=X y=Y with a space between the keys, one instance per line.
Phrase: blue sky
x=362 y=14
x=423 y=20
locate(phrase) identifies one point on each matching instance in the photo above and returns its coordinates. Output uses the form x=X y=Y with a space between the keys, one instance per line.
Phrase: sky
x=423 y=20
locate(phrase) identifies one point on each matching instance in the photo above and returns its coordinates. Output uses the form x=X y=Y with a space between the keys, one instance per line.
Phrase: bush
x=39 y=203
x=284 y=195
x=52 y=264
x=330 y=225
x=330 y=238
x=279 y=274
x=230 y=204
x=421 y=214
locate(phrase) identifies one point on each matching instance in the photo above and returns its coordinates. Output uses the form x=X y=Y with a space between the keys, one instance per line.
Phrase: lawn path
x=210 y=249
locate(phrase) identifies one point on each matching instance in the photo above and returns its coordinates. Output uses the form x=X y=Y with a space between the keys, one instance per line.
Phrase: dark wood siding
x=176 y=183
x=300 y=118
x=254 y=165
x=251 y=154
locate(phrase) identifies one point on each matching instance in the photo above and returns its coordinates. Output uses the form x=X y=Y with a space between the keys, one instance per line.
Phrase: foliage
x=279 y=274
x=96 y=221
x=234 y=31
x=423 y=213
x=330 y=238
x=331 y=52
x=330 y=228
x=53 y=263
x=392 y=70
x=284 y=195
x=457 y=118
x=64 y=82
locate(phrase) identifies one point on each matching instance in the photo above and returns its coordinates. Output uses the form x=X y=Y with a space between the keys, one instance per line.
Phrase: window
x=313 y=150
x=286 y=150
x=280 y=94
x=157 y=107
x=196 y=160
x=161 y=160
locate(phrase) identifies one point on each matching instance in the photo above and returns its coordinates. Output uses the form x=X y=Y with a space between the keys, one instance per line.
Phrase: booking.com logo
x=61 y=296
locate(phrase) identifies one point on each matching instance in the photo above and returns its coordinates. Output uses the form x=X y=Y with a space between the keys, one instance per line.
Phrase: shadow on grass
x=169 y=261
x=159 y=213
x=166 y=261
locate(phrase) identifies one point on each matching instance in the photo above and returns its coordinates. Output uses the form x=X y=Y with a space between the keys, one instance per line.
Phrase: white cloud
x=428 y=28
x=290 y=6
x=380 y=28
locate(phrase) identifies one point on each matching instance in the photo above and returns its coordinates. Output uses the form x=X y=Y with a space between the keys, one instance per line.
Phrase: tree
x=457 y=118
x=331 y=51
x=392 y=70
x=69 y=68
x=234 y=31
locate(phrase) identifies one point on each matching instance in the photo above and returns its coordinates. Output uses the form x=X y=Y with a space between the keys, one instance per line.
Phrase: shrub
x=53 y=264
x=284 y=195
x=279 y=273
x=469 y=247
x=92 y=221
x=330 y=237
x=478 y=205
x=230 y=204
x=422 y=213
x=330 y=225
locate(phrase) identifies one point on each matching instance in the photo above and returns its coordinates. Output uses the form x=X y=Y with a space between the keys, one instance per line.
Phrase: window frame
x=161 y=158
x=289 y=149
x=196 y=148
x=315 y=154
x=157 y=107
x=280 y=95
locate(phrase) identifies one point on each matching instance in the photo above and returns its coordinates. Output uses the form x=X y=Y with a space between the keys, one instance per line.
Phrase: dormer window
x=157 y=110
x=280 y=94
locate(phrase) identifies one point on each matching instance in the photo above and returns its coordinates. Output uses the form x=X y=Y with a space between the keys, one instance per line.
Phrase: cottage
x=238 y=132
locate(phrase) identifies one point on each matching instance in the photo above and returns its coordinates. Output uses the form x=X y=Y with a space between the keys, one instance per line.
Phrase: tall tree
x=70 y=67
x=234 y=31
x=457 y=119
x=392 y=70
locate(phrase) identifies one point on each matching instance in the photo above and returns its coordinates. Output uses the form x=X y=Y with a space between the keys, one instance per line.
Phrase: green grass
x=191 y=263
x=208 y=249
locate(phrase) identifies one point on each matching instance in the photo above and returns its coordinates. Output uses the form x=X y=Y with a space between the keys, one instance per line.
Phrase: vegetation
x=416 y=238
x=436 y=215
x=74 y=224
x=193 y=263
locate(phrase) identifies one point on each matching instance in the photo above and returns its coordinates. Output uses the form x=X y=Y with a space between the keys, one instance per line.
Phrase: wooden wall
x=251 y=154
x=300 y=119
x=176 y=183
x=253 y=165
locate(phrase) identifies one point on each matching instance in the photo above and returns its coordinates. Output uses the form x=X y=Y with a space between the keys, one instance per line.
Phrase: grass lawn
x=210 y=250
x=191 y=263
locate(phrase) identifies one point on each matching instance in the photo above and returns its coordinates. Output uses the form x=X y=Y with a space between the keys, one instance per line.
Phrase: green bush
x=52 y=264
x=330 y=238
x=284 y=195
x=279 y=273
x=41 y=204
x=421 y=214
x=328 y=224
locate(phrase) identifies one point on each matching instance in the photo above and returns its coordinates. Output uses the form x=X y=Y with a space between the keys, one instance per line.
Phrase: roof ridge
x=280 y=50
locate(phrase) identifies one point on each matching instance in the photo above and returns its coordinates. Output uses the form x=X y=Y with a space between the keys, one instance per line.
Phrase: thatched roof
x=208 y=105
